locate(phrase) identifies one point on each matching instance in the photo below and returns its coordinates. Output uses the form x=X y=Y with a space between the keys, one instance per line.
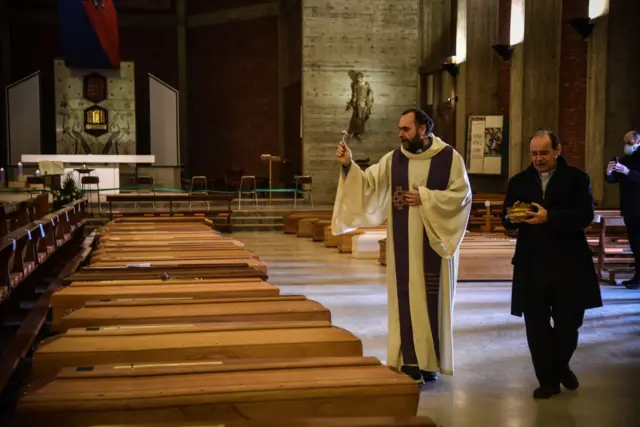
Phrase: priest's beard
x=414 y=144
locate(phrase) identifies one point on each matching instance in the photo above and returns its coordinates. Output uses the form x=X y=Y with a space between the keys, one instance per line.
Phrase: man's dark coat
x=558 y=247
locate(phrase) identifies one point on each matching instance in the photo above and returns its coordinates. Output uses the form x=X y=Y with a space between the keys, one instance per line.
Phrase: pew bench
x=614 y=253
x=25 y=307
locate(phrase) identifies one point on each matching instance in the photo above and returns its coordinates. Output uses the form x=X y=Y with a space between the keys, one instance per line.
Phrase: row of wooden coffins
x=172 y=323
x=483 y=256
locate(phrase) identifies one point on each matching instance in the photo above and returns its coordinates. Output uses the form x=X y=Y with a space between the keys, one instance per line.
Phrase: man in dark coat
x=554 y=276
x=626 y=172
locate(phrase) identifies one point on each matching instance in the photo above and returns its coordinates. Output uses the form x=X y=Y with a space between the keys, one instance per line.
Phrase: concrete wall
x=377 y=37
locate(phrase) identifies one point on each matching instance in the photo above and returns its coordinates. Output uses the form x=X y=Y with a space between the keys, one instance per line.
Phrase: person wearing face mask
x=422 y=188
x=626 y=173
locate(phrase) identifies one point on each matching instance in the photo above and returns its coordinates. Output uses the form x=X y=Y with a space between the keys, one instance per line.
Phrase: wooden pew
x=25 y=306
x=220 y=391
x=156 y=311
x=486 y=211
x=188 y=342
x=292 y=219
x=614 y=254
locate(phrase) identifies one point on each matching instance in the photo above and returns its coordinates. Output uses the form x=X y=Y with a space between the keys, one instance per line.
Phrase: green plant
x=67 y=193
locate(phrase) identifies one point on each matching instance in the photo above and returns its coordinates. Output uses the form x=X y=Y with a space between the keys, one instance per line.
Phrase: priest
x=422 y=190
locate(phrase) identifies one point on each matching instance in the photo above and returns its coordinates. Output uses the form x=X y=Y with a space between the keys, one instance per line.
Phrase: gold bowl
x=519 y=211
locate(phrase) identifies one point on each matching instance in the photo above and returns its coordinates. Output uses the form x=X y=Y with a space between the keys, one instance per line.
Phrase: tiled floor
x=494 y=376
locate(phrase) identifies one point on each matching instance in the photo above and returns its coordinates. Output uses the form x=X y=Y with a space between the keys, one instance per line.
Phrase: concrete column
x=183 y=78
x=541 y=48
x=477 y=80
x=5 y=76
x=517 y=142
x=597 y=106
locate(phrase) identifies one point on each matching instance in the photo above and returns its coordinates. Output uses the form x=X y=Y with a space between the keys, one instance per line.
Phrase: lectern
x=269 y=158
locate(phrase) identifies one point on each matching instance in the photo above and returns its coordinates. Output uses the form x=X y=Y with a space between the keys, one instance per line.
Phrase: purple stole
x=438 y=179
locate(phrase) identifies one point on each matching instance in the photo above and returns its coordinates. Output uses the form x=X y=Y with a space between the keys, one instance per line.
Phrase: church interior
x=168 y=194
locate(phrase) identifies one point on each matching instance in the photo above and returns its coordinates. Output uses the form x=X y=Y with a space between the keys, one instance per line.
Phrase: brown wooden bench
x=486 y=211
x=25 y=307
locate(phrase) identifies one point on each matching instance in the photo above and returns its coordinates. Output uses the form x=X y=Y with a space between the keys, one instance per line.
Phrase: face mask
x=630 y=149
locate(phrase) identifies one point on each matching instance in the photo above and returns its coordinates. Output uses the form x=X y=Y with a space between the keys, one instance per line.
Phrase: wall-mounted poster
x=487 y=145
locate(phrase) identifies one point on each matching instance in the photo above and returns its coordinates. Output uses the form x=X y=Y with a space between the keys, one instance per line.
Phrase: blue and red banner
x=89 y=31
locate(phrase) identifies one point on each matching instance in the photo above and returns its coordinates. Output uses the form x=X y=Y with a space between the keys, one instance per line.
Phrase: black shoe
x=429 y=376
x=413 y=372
x=631 y=283
x=546 y=391
x=569 y=380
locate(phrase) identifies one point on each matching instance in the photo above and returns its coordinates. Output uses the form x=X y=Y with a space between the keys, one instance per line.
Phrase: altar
x=106 y=167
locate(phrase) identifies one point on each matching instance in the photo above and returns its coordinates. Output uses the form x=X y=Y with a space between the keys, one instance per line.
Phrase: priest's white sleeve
x=445 y=214
x=362 y=199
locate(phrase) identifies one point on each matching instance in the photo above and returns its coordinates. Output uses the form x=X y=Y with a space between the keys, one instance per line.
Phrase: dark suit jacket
x=558 y=245
x=629 y=185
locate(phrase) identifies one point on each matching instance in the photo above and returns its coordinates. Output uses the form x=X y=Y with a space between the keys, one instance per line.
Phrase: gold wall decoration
x=96 y=120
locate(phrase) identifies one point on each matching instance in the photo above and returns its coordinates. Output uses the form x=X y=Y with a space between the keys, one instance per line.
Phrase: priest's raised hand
x=343 y=153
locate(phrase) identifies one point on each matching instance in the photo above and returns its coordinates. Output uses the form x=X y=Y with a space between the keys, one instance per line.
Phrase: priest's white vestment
x=422 y=244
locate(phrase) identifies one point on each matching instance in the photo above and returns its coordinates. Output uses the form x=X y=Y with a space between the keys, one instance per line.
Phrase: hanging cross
x=398 y=198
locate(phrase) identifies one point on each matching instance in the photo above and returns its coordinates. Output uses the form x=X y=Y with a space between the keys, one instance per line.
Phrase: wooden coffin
x=318 y=230
x=150 y=228
x=419 y=421
x=189 y=342
x=156 y=282
x=305 y=227
x=367 y=245
x=219 y=271
x=486 y=258
x=186 y=262
x=76 y=295
x=138 y=255
x=159 y=219
x=291 y=220
x=330 y=241
x=346 y=240
x=169 y=237
x=173 y=247
x=141 y=311
x=219 y=391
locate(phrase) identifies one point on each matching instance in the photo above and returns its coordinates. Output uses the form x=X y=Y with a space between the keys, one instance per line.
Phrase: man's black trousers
x=551 y=344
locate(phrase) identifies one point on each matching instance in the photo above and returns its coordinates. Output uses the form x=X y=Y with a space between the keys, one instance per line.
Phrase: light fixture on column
x=584 y=26
x=451 y=66
x=504 y=50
